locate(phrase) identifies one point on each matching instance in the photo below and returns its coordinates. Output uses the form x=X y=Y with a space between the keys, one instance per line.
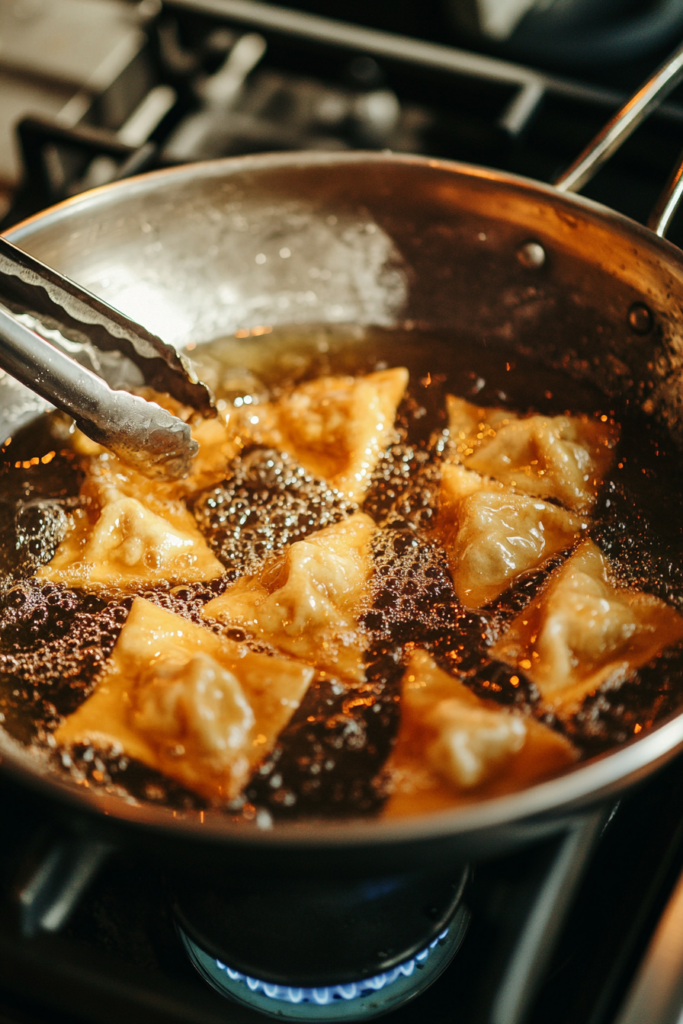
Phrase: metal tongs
x=140 y=432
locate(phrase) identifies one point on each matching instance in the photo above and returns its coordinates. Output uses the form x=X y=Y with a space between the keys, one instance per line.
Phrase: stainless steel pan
x=197 y=252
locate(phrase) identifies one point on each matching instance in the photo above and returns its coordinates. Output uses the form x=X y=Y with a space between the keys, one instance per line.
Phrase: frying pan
x=198 y=252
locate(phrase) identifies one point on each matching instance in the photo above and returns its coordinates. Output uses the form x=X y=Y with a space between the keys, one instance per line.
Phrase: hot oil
x=54 y=641
x=267 y=503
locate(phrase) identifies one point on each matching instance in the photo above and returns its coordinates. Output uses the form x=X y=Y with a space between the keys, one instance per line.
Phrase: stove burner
x=314 y=931
x=360 y=1000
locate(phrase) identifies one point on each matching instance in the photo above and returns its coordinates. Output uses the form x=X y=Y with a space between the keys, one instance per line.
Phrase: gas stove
x=104 y=89
x=553 y=932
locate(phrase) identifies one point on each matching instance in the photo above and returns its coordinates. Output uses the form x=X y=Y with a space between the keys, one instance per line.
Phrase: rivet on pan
x=531 y=254
x=640 y=318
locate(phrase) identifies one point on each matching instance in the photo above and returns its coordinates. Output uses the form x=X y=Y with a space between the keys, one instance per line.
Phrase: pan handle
x=667 y=204
x=619 y=127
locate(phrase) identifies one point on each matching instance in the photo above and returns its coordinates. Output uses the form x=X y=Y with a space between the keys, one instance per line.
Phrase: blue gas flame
x=332 y=993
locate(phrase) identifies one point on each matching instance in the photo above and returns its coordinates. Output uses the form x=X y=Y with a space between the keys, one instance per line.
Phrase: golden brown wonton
x=336 y=427
x=308 y=601
x=453 y=747
x=133 y=530
x=130 y=546
x=493 y=535
x=198 y=707
x=553 y=457
x=584 y=628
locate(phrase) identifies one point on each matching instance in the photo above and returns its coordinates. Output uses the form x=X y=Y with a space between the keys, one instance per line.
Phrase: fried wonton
x=336 y=427
x=584 y=629
x=563 y=458
x=130 y=546
x=199 y=708
x=453 y=747
x=493 y=535
x=307 y=601
x=134 y=530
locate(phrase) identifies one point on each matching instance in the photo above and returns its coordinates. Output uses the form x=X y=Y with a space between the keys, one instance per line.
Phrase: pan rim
x=608 y=775
x=578 y=787
x=306 y=159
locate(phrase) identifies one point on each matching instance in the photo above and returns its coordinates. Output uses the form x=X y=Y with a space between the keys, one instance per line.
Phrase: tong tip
x=146 y=437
